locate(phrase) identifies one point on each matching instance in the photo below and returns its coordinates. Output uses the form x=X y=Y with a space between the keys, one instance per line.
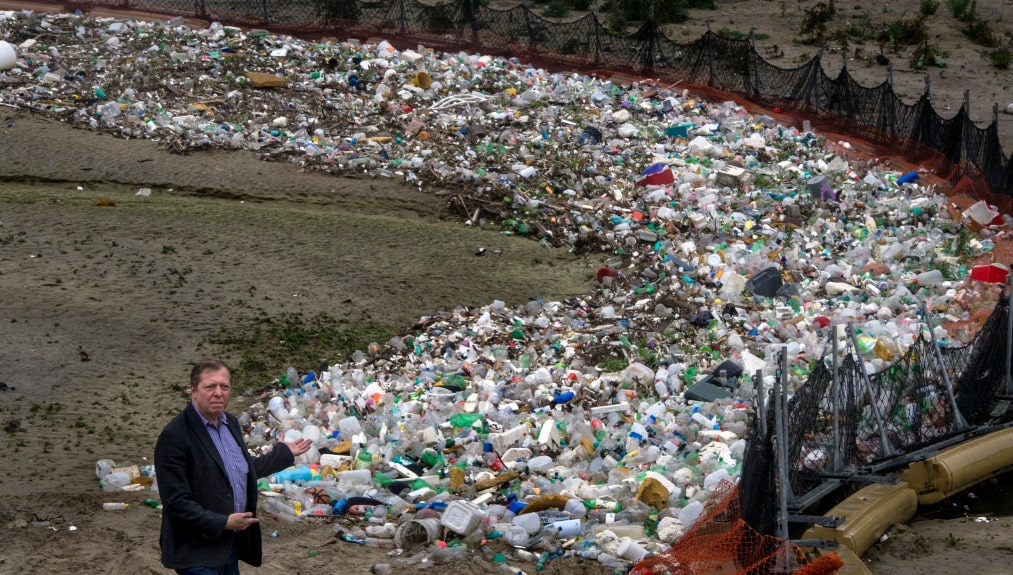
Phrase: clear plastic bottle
x=279 y=509
x=929 y=278
x=111 y=506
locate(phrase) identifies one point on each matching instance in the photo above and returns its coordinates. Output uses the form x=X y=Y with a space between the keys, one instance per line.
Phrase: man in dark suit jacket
x=207 y=480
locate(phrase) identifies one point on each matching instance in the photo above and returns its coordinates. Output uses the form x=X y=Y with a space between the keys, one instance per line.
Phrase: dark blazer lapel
x=195 y=422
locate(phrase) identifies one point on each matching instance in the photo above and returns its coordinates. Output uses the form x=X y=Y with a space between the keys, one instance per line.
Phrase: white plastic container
x=540 y=464
x=568 y=528
x=355 y=476
x=104 y=467
x=349 y=427
x=462 y=517
x=575 y=507
x=530 y=522
x=333 y=460
x=630 y=549
x=689 y=514
x=8 y=57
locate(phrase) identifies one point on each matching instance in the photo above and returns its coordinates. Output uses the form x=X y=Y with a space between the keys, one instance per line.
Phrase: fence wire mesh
x=841 y=427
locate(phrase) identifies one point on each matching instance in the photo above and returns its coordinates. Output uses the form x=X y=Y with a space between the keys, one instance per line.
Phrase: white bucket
x=8 y=57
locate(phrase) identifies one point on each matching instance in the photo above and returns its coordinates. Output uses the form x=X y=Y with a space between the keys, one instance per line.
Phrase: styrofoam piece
x=501 y=442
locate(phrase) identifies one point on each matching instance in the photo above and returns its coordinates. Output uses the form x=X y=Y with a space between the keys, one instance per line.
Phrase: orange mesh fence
x=721 y=542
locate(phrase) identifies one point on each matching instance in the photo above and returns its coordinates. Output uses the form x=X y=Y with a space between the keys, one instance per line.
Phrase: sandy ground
x=778 y=23
x=138 y=287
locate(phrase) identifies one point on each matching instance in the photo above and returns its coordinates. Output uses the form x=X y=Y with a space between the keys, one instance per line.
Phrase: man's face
x=211 y=396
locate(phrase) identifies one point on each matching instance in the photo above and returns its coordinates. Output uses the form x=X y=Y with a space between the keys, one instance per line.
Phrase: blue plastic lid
x=339 y=507
x=516 y=506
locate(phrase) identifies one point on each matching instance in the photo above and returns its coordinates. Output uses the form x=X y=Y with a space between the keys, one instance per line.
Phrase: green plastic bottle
x=364 y=460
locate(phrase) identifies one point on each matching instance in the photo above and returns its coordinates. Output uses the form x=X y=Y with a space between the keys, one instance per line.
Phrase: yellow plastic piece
x=867 y=514
x=961 y=466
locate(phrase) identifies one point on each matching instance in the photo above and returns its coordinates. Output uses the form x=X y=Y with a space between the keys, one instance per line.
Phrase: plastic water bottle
x=110 y=506
x=279 y=509
x=703 y=420
x=929 y=278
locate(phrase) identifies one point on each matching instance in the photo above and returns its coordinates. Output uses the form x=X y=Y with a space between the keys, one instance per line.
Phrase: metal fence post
x=781 y=420
x=597 y=34
x=754 y=68
x=849 y=102
x=710 y=55
x=648 y=62
x=965 y=126
x=887 y=447
x=527 y=23
x=817 y=67
x=835 y=389
x=958 y=418
x=892 y=108
x=473 y=18
x=1008 y=381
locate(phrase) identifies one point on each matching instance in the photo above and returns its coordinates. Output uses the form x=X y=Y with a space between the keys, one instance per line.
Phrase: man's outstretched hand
x=299 y=447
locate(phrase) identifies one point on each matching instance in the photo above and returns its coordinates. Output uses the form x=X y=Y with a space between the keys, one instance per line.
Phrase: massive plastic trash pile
x=520 y=430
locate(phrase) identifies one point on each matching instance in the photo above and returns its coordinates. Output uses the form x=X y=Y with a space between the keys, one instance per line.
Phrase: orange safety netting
x=721 y=542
